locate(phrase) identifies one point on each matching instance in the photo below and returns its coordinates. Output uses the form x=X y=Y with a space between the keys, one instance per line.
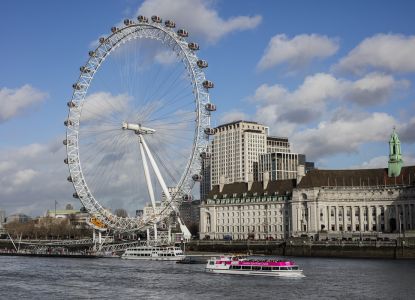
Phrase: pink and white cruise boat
x=244 y=266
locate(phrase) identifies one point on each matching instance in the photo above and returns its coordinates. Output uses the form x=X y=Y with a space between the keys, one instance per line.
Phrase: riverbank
x=399 y=249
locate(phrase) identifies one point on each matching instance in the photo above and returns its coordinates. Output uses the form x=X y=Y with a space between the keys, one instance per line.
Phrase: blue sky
x=332 y=76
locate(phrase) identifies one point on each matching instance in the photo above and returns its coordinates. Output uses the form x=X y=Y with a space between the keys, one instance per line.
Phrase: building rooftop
x=278 y=139
x=359 y=177
x=280 y=187
x=235 y=122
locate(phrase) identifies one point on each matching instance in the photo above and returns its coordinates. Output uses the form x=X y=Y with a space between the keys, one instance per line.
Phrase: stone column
x=353 y=218
x=328 y=217
x=377 y=217
x=294 y=215
x=308 y=220
x=369 y=218
x=336 y=220
x=397 y=217
x=316 y=225
x=410 y=216
x=361 y=219
x=386 y=218
x=404 y=216
x=344 y=218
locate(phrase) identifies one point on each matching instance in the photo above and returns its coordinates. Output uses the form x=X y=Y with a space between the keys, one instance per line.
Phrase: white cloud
x=277 y=105
x=343 y=134
x=388 y=52
x=233 y=115
x=165 y=57
x=198 y=17
x=374 y=88
x=24 y=176
x=298 y=51
x=282 y=109
x=407 y=131
x=34 y=178
x=373 y=163
x=382 y=162
x=15 y=101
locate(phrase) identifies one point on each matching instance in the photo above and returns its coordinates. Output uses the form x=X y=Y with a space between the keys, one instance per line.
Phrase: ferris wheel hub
x=137 y=128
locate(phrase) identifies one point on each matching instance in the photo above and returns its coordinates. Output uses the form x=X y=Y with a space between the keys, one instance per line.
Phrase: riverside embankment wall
x=369 y=249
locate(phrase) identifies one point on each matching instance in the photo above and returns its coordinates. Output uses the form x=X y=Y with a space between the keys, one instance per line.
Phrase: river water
x=112 y=278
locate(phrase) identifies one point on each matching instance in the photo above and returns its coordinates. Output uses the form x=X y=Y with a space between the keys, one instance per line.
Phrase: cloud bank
x=199 y=17
x=14 y=102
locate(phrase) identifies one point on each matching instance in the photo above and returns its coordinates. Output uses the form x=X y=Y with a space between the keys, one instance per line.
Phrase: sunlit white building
x=235 y=148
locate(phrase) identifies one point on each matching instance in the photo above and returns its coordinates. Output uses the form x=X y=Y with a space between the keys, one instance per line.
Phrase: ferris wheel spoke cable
x=167 y=171
x=164 y=125
x=171 y=164
x=105 y=147
x=171 y=99
x=95 y=155
x=175 y=113
x=169 y=114
x=170 y=87
x=99 y=143
x=101 y=175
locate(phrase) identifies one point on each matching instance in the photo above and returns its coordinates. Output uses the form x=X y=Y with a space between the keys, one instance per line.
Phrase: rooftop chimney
x=221 y=183
x=265 y=180
x=250 y=181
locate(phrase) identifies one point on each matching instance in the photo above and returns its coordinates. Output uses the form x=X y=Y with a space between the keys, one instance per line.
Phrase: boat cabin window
x=283 y=268
x=295 y=268
x=275 y=268
x=246 y=267
x=236 y=267
x=256 y=268
x=211 y=263
x=266 y=268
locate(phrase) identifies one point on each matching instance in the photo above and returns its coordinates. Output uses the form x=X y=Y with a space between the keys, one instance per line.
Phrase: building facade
x=354 y=201
x=281 y=165
x=277 y=144
x=18 y=218
x=235 y=150
x=338 y=203
x=292 y=198
x=254 y=210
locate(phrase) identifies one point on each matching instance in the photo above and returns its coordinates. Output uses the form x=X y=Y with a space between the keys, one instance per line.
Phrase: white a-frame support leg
x=147 y=175
x=148 y=181
x=184 y=229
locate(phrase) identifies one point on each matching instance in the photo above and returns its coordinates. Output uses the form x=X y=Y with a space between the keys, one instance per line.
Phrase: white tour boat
x=154 y=253
x=244 y=266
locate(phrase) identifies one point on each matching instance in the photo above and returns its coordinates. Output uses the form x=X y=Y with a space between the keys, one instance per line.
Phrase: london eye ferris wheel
x=138 y=123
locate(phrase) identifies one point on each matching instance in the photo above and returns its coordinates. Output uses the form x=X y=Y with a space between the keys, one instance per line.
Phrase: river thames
x=326 y=278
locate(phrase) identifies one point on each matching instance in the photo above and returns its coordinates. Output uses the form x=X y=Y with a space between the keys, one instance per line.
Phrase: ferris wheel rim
x=200 y=98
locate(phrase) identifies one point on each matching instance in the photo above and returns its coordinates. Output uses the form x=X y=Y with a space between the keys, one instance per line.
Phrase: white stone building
x=235 y=150
x=354 y=201
x=335 y=203
x=256 y=210
x=338 y=203
x=278 y=144
x=281 y=165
